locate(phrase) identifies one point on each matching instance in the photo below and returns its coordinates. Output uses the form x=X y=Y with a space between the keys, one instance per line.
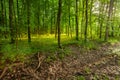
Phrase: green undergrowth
x=113 y=40
x=79 y=78
x=46 y=44
x=58 y=54
x=90 y=44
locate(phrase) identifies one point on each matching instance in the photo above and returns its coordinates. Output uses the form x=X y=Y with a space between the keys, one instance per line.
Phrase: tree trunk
x=108 y=19
x=82 y=20
x=11 y=21
x=6 y=21
x=38 y=20
x=86 y=22
x=58 y=21
x=69 y=29
x=2 y=17
x=28 y=21
x=91 y=3
x=77 y=29
x=2 y=12
x=101 y=10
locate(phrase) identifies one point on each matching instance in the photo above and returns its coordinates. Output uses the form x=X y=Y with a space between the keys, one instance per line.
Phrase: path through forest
x=100 y=64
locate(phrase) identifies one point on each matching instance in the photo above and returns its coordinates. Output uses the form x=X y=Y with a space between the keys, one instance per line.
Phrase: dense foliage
x=88 y=18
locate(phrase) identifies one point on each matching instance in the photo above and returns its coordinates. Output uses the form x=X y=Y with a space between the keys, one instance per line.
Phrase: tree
x=83 y=16
x=87 y=18
x=108 y=19
x=11 y=22
x=101 y=18
x=77 y=28
x=28 y=20
x=86 y=22
x=90 y=19
x=2 y=13
x=58 y=21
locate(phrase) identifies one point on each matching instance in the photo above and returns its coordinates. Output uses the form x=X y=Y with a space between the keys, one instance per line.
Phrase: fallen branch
x=3 y=73
x=40 y=59
x=31 y=72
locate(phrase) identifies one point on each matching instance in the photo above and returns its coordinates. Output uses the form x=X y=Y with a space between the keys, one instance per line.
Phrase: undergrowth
x=46 y=44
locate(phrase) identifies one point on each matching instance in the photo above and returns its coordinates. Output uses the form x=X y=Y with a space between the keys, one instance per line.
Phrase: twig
x=31 y=72
x=40 y=59
x=3 y=73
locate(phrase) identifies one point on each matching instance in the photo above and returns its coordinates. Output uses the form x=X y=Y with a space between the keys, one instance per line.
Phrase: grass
x=46 y=44
x=113 y=40
x=80 y=78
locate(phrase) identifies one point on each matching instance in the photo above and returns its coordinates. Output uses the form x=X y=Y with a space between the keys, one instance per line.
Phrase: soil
x=83 y=64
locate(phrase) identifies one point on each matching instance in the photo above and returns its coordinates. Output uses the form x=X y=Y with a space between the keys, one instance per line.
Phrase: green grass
x=46 y=44
x=10 y=52
x=113 y=40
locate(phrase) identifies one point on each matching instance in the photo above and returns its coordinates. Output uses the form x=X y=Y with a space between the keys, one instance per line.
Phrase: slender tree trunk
x=65 y=19
x=17 y=23
x=43 y=21
x=108 y=19
x=28 y=21
x=51 y=27
x=82 y=20
x=11 y=21
x=56 y=31
x=38 y=20
x=91 y=3
x=113 y=24
x=2 y=12
x=101 y=26
x=6 y=21
x=45 y=17
x=2 y=16
x=69 y=29
x=77 y=29
x=58 y=22
x=86 y=22
x=101 y=19
x=54 y=20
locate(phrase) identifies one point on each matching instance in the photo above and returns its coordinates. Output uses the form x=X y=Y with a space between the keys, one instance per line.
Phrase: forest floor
x=102 y=63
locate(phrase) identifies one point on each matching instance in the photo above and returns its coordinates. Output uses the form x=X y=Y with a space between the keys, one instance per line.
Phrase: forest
x=59 y=40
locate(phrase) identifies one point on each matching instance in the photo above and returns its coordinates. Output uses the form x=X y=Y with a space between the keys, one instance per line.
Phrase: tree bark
x=108 y=19
x=101 y=11
x=11 y=22
x=58 y=22
x=28 y=21
x=77 y=29
x=91 y=3
x=82 y=20
x=2 y=12
x=86 y=22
